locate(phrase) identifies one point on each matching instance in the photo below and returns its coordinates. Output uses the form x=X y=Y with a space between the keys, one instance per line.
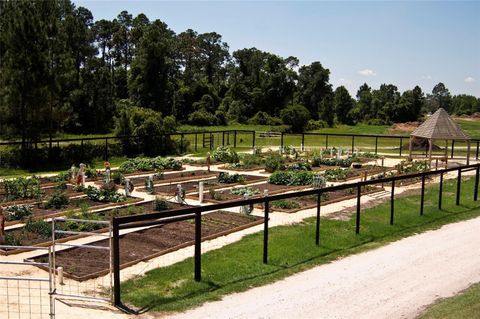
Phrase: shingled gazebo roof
x=440 y=126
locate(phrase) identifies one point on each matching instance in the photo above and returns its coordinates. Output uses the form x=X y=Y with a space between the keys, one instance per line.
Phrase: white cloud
x=367 y=72
x=426 y=77
x=469 y=79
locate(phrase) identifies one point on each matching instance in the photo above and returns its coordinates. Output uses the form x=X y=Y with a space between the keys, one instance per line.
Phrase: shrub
x=292 y=178
x=244 y=191
x=39 y=227
x=225 y=155
x=118 y=178
x=57 y=200
x=343 y=162
x=249 y=160
x=296 y=116
x=22 y=188
x=150 y=164
x=202 y=118
x=316 y=125
x=226 y=178
x=285 y=204
x=274 y=162
x=160 y=204
x=103 y=195
x=335 y=174
x=17 y=212
x=302 y=166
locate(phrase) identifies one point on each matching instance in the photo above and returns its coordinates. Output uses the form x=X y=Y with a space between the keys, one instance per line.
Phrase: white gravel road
x=394 y=281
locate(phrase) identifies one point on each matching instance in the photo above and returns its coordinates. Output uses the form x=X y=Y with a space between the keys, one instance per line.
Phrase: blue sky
x=405 y=43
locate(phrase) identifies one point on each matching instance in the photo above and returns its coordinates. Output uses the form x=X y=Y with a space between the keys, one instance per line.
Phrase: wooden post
x=468 y=152
x=430 y=146
x=410 y=148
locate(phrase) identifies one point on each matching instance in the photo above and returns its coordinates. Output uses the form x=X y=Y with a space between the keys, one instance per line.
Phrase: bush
x=57 y=200
x=292 y=178
x=104 y=195
x=39 y=227
x=316 y=125
x=296 y=116
x=274 y=162
x=317 y=161
x=17 y=212
x=302 y=166
x=225 y=154
x=160 y=204
x=285 y=204
x=150 y=164
x=118 y=178
x=335 y=174
x=249 y=191
x=22 y=188
x=202 y=118
x=226 y=178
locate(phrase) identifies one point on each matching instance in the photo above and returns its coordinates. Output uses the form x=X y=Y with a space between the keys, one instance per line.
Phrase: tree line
x=63 y=71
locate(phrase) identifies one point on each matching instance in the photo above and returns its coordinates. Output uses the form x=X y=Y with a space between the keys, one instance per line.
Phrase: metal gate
x=23 y=295
x=91 y=250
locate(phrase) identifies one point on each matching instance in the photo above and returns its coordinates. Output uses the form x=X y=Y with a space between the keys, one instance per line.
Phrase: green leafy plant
x=104 y=195
x=225 y=154
x=17 y=212
x=335 y=174
x=57 y=200
x=215 y=195
x=293 y=178
x=118 y=178
x=274 y=162
x=343 y=162
x=244 y=191
x=160 y=204
x=22 y=188
x=285 y=204
x=226 y=178
x=39 y=227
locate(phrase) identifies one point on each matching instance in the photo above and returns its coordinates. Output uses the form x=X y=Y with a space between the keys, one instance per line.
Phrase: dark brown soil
x=148 y=243
x=208 y=184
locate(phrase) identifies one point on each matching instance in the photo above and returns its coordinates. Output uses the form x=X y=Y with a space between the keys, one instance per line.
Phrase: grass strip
x=238 y=266
x=465 y=305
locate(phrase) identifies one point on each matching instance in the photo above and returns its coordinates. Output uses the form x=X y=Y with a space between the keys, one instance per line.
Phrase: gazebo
x=439 y=126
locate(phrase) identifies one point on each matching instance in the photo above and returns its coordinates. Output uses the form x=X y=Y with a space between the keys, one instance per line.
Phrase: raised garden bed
x=176 y=176
x=293 y=205
x=41 y=236
x=75 y=205
x=149 y=243
x=212 y=183
x=258 y=190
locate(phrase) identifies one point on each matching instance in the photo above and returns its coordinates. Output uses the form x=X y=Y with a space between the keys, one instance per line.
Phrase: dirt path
x=394 y=281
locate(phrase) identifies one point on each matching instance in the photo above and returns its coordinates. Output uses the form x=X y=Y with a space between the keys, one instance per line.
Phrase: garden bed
x=212 y=183
x=75 y=205
x=295 y=204
x=149 y=243
x=177 y=176
x=258 y=190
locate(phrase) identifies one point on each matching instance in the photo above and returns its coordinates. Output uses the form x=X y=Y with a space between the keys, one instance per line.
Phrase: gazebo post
x=410 y=148
x=446 y=153
x=430 y=143
x=468 y=152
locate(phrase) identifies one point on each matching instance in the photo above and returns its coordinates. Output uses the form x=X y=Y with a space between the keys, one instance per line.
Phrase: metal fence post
x=181 y=143
x=235 y=139
x=422 y=195
x=459 y=183
x=392 y=202
x=453 y=146
x=440 y=191
x=317 y=232
x=326 y=141
x=376 y=144
x=198 y=246
x=303 y=142
x=476 y=153
x=477 y=175
x=281 y=140
x=353 y=143
x=357 y=223
x=265 y=234
x=223 y=138
x=253 y=139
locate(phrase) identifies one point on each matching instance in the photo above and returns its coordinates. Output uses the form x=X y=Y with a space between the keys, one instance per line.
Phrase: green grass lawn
x=465 y=305
x=238 y=266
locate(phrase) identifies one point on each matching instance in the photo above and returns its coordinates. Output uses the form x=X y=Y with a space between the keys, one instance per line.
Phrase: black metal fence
x=195 y=213
x=88 y=148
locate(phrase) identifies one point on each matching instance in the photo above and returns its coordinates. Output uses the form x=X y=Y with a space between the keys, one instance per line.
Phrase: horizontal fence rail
x=152 y=219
